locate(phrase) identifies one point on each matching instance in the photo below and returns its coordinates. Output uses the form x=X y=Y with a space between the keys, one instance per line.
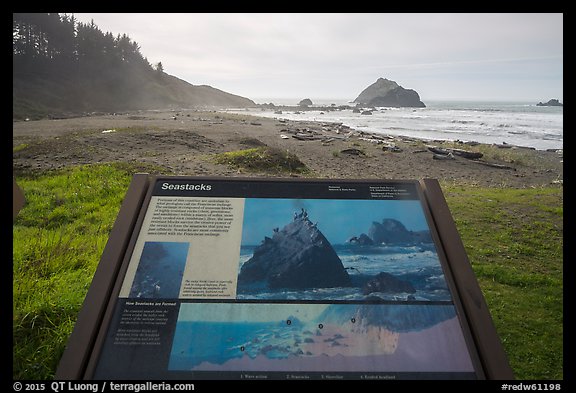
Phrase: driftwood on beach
x=187 y=146
x=494 y=165
x=449 y=153
x=471 y=155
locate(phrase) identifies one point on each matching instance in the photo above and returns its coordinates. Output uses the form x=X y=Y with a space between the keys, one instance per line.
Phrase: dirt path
x=185 y=142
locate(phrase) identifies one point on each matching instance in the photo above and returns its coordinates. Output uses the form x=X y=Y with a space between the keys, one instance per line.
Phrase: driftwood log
x=471 y=155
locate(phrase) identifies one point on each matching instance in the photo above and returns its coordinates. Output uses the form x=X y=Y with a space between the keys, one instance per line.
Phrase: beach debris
x=438 y=150
x=405 y=138
x=372 y=140
x=495 y=165
x=471 y=155
x=309 y=134
x=108 y=131
x=284 y=136
x=392 y=147
x=306 y=137
x=255 y=123
x=448 y=156
x=354 y=152
x=505 y=145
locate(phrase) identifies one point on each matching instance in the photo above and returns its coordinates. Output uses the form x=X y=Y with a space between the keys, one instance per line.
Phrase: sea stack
x=390 y=232
x=297 y=256
x=552 y=102
x=388 y=93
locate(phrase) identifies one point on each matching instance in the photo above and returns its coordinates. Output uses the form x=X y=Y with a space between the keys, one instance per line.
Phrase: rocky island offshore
x=390 y=232
x=382 y=93
x=552 y=102
x=297 y=256
x=387 y=93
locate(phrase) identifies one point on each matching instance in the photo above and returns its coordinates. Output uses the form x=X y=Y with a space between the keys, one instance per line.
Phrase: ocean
x=418 y=265
x=516 y=123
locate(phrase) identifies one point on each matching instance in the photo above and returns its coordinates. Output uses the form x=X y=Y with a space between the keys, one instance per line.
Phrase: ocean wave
x=450 y=121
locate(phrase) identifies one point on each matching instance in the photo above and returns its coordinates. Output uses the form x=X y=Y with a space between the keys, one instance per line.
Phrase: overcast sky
x=322 y=56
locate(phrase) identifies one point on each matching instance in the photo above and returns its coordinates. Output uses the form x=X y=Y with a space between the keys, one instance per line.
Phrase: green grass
x=514 y=240
x=19 y=147
x=263 y=159
x=513 y=237
x=58 y=238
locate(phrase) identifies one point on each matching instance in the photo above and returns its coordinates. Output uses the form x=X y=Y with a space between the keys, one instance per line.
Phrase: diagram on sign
x=318 y=337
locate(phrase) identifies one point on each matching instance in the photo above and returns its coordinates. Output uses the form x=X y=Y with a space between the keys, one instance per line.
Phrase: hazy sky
x=469 y=56
x=338 y=220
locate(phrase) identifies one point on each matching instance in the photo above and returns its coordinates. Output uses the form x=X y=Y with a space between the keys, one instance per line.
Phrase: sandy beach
x=186 y=141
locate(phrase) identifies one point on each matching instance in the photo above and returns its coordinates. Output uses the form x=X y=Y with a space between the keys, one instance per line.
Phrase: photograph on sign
x=160 y=270
x=317 y=249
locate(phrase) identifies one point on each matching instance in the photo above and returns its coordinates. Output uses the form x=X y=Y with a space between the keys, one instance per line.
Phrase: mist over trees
x=61 y=65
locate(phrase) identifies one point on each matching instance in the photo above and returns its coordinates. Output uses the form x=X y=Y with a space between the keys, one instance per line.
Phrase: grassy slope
x=35 y=96
x=513 y=238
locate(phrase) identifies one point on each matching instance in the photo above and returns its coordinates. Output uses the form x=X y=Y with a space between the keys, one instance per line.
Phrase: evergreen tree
x=42 y=40
x=93 y=68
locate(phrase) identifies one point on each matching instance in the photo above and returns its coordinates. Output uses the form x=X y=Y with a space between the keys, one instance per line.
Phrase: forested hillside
x=63 y=66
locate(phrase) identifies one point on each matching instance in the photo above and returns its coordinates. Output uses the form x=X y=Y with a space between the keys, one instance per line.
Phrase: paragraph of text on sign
x=191 y=217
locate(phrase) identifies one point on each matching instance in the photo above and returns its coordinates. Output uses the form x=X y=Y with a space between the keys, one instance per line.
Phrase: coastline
x=186 y=141
x=516 y=123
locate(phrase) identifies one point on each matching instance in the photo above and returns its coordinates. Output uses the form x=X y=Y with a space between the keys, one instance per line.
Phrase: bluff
x=62 y=67
x=388 y=93
x=37 y=96
x=297 y=256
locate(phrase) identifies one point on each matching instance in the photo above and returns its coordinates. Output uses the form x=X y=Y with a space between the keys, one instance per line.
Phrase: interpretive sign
x=216 y=278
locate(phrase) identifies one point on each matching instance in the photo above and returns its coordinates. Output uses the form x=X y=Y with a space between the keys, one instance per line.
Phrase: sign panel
x=241 y=279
